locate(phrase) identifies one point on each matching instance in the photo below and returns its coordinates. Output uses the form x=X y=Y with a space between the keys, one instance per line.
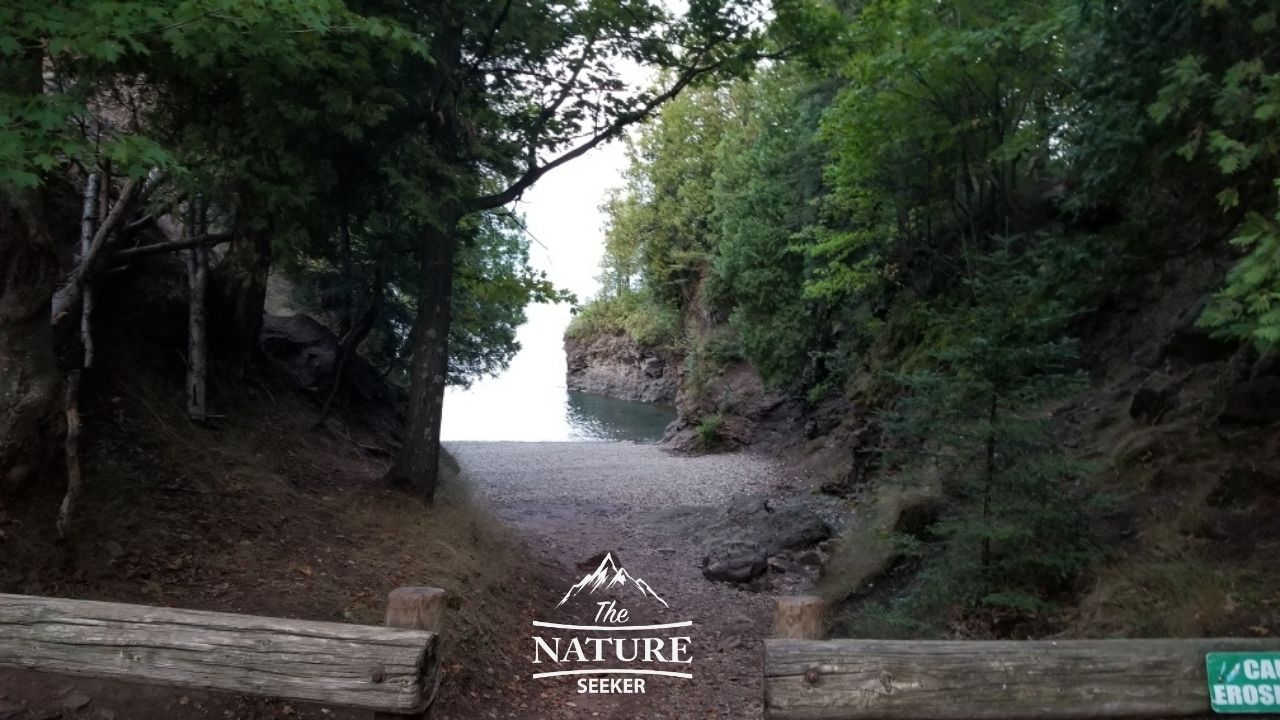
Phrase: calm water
x=529 y=402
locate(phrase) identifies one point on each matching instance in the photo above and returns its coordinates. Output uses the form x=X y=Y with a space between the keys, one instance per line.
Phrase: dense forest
x=371 y=145
x=935 y=211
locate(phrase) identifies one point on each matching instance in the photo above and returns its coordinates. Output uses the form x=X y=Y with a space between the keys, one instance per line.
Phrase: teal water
x=595 y=417
x=530 y=402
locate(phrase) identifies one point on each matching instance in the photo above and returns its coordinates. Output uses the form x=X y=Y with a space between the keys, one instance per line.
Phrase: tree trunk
x=68 y=508
x=88 y=226
x=197 y=344
x=348 y=291
x=418 y=464
x=347 y=346
x=30 y=407
x=242 y=291
x=989 y=486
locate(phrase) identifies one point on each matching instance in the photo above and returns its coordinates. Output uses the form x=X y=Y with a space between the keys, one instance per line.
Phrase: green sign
x=1244 y=682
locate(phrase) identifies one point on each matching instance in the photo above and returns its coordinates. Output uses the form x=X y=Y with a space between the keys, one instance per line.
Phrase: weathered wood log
x=375 y=668
x=799 y=617
x=417 y=608
x=942 y=680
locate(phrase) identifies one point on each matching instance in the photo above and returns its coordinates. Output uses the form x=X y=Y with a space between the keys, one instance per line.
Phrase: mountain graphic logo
x=609 y=575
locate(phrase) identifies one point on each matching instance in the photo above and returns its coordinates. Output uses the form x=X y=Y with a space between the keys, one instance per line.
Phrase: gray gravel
x=609 y=473
x=570 y=501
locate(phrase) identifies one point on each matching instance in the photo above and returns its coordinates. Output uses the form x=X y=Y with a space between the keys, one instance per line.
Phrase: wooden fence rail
x=386 y=669
x=944 y=680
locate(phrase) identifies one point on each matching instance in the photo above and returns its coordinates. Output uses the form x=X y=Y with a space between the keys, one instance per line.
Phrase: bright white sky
x=528 y=401
x=562 y=213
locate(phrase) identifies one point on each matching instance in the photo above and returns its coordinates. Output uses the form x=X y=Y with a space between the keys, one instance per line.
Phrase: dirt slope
x=258 y=513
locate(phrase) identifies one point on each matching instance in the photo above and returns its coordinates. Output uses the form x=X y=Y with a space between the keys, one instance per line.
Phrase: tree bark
x=242 y=291
x=418 y=464
x=347 y=346
x=88 y=223
x=348 y=292
x=89 y=266
x=197 y=343
x=29 y=378
x=68 y=508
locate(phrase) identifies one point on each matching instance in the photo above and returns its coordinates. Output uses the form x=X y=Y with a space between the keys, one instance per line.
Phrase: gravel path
x=512 y=473
x=571 y=501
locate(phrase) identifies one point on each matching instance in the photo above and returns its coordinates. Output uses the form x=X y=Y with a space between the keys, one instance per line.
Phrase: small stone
x=734 y=561
x=730 y=643
x=746 y=506
x=810 y=558
x=75 y=700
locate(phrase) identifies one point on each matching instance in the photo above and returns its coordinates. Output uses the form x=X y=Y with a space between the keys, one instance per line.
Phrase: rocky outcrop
x=302 y=348
x=745 y=412
x=617 y=366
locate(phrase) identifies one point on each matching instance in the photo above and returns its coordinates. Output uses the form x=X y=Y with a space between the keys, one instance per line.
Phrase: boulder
x=747 y=506
x=918 y=518
x=776 y=525
x=1149 y=404
x=305 y=350
x=791 y=528
x=735 y=561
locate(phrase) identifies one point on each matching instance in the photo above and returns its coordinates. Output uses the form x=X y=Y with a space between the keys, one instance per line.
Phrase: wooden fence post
x=800 y=617
x=993 y=679
x=375 y=668
x=416 y=608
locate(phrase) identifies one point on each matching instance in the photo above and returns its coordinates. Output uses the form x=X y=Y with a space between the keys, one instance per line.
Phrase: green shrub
x=709 y=430
x=642 y=318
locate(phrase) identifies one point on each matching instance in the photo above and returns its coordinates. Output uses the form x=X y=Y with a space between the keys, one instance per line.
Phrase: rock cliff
x=617 y=366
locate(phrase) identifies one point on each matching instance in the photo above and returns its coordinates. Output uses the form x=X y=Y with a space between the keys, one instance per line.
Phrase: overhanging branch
x=622 y=122
x=171 y=246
